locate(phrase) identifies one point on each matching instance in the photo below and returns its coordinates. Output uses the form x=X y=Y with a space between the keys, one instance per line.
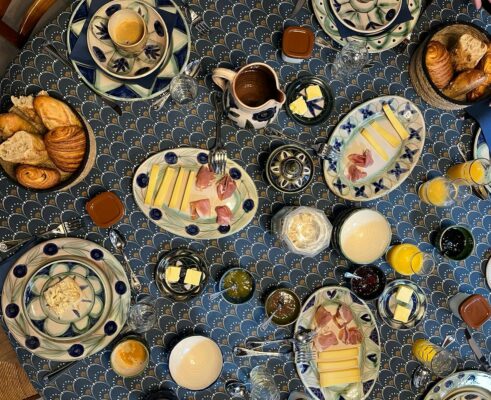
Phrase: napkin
x=481 y=112
x=80 y=51
x=403 y=16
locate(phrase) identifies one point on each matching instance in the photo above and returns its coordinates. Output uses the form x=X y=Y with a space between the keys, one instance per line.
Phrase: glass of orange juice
x=408 y=259
x=475 y=172
x=435 y=358
x=444 y=192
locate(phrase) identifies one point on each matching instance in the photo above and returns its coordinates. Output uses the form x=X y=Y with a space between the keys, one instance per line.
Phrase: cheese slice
x=299 y=106
x=393 y=141
x=333 y=378
x=404 y=294
x=165 y=189
x=313 y=92
x=338 y=365
x=152 y=184
x=172 y=273
x=378 y=149
x=401 y=131
x=178 y=192
x=185 y=208
x=193 y=277
x=402 y=313
x=338 y=355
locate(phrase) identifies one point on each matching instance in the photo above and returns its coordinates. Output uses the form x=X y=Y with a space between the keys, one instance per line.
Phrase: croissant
x=464 y=83
x=485 y=66
x=439 y=64
x=37 y=177
x=66 y=147
x=54 y=113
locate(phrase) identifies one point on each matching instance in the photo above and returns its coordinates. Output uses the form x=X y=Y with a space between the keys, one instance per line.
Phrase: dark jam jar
x=370 y=284
x=241 y=284
x=286 y=304
x=455 y=242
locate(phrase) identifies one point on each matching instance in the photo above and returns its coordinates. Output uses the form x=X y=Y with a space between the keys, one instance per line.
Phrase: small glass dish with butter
x=402 y=304
x=181 y=274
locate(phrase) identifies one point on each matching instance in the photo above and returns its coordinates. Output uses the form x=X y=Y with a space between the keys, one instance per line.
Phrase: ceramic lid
x=475 y=310
x=298 y=42
x=105 y=209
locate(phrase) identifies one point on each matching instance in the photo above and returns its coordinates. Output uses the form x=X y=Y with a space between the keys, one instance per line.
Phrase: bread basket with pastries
x=44 y=144
x=451 y=68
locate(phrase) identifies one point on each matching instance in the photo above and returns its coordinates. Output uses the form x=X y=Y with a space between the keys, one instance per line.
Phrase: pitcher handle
x=221 y=75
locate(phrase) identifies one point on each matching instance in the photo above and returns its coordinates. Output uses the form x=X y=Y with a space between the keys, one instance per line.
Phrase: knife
x=297 y=8
x=477 y=351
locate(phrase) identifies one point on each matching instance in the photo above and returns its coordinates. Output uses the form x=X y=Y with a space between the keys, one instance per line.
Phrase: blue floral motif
x=264 y=115
x=360 y=191
x=101 y=31
x=348 y=126
x=339 y=185
x=409 y=154
x=152 y=51
x=99 y=54
x=303 y=368
x=379 y=185
x=332 y=164
x=397 y=170
x=414 y=133
x=337 y=145
x=120 y=65
x=366 y=112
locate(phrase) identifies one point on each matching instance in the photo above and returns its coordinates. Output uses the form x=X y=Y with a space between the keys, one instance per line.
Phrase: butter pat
x=299 y=106
x=172 y=274
x=337 y=365
x=313 y=92
x=152 y=184
x=401 y=131
x=378 y=149
x=338 y=355
x=185 y=208
x=402 y=313
x=334 y=378
x=193 y=277
x=386 y=135
x=404 y=294
x=165 y=189
x=178 y=193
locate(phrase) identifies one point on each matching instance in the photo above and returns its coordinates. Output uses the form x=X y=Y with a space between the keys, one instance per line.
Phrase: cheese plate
x=176 y=190
x=66 y=299
x=347 y=345
x=376 y=146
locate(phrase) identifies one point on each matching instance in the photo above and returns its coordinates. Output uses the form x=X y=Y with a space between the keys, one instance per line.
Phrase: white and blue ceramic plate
x=382 y=176
x=369 y=349
x=243 y=203
x=475 y=385
x=481 y=150
x=115 y=89
x=73 y=338
x=375 y=44
x=110 y=59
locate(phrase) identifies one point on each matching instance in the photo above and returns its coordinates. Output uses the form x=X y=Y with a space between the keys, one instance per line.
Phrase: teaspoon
x=119 y=242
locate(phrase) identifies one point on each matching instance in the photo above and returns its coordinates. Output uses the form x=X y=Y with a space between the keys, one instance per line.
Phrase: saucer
x=110 y=59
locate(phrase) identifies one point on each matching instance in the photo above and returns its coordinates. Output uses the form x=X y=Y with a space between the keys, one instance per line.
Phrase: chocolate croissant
x=37 y=177
x=66 y=147
x=439 y=64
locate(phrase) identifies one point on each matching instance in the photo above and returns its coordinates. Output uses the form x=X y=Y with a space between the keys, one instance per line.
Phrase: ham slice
x=350 y=335
x=322 y=317
x=204 y=177
x=325 y=340
x=354 y=173
x=200 y=208
x=362 y=160
x=345 y=312
x=226 y=187
x=224 y=215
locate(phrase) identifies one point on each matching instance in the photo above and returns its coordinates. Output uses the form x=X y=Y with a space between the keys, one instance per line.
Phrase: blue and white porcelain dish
x=481 y=150
x=475 y=385
x=110 y=59
x=382 y=176
x=82 y=337
x=243 y=203
x=370 y=353
x=127 y=90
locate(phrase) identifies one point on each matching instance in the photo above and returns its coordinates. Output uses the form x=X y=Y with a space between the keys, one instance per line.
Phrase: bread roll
x=37 y=177
x=55 y=113
x=24 y=148
x=24 y=107
x=66 y=147
x=11 y=123
x=467 y=52
x=464 y=83
x=485 y=66
x=439 y=64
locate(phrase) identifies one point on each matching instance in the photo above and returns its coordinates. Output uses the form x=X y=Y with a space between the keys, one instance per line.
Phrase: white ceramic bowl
x=195 y=362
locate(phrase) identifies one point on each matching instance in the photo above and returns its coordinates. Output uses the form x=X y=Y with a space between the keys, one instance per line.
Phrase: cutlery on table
x=305 y=355
x=244 y=352
x=62 y=229
x=55 y=53
x=302 y=337
x=297 y=8
x=218 y=154
x=195 y=19
x=119 y=243
x=349 y=275
x=216 y=295
x=477 y=351
x=480 y=191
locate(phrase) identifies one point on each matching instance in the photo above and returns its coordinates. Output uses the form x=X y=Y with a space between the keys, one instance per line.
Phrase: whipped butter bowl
x=130 y=356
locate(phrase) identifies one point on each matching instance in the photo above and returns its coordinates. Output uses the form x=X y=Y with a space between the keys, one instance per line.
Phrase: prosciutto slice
x=200 y=208
x=350 y=335
x=325 y=340
x=362 y=160
x=224 y=215
x=355 y=173
x=204 y=177
x=226 y=187
x=322 y=317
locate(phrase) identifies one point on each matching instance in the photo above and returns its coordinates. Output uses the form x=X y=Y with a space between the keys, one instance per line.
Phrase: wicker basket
x=447 y=35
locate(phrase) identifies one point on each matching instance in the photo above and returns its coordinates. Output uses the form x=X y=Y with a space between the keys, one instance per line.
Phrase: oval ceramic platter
x=475 y=385
x=242 y=204
x=377 y=43
x=332 y=298
x=56 y=328
x=351 y=174
x=481 y=150
x=111 y=60
x=151 y=85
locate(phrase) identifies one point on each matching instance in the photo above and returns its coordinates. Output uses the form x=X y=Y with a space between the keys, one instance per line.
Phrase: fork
x=243 y=352
x=199 y=23
x=305 y=355
x=63 y=229
x=218 y=155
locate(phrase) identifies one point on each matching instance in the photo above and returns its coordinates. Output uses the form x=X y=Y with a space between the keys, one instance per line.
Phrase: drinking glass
x=443 y=192
x=183 y=89
x=408 y=259
x=350 y=59
x=455 y=242
x=475 y=172
x=142 y=315
x=435 y=358
x=262 y=385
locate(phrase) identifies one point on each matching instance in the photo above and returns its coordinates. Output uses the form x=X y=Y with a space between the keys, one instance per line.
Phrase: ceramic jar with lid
x=297 y=44
x=473 y=309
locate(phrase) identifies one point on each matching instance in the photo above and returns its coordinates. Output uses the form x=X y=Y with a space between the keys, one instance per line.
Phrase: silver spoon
x=349 y=275
x=480 y=191
x=264 y=325
x=235 y=389
x=300 y=338
x=119 y=242
x=214 y=296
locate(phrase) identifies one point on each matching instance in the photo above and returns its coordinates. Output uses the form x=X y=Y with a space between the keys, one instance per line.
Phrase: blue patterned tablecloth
x=247 y=31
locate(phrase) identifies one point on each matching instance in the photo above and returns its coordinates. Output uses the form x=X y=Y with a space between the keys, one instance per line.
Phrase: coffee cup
x=128 y=31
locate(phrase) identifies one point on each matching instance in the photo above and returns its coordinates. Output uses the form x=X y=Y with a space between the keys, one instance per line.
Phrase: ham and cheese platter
x=347 y=345
x=376 y=145
x=177 y=190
